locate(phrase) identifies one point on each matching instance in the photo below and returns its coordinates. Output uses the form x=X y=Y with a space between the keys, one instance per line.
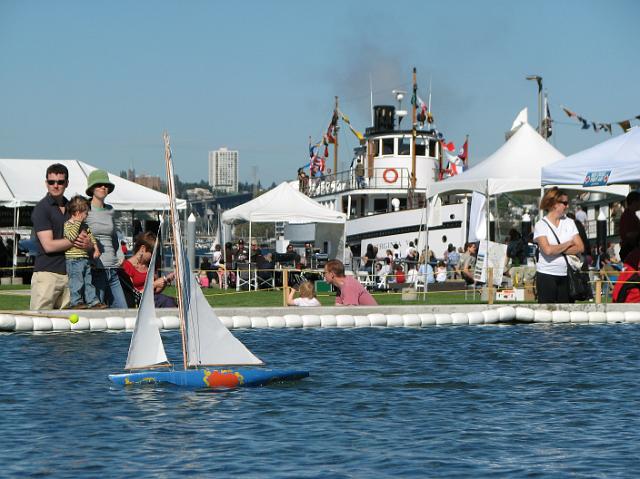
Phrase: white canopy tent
x=22 y=184
x=285 y=203
x=515 y=166
x=618 y=158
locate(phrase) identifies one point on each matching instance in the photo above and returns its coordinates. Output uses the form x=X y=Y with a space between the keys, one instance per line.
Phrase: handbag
x=579 y=286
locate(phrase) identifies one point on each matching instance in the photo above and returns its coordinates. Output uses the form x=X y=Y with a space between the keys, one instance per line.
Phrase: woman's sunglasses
x=566 y=203
x=56 y=182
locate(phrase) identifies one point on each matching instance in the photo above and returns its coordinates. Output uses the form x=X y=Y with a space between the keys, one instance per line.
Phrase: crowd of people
x=408 y=267
x=80 y=260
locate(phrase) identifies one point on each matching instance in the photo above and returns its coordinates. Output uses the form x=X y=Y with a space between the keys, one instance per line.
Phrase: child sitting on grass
x=307 y=296
x=78 y=267
x=441 y=272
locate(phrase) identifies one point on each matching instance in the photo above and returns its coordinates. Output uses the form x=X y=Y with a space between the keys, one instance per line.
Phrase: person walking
x=100 y=220
x=49 y=283
x=556 y=236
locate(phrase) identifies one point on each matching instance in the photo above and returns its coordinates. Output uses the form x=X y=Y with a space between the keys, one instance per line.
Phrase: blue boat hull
x=210 y=378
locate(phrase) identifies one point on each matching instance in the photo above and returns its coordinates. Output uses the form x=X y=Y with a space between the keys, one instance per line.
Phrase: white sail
x=209 y=342
x=146 y=347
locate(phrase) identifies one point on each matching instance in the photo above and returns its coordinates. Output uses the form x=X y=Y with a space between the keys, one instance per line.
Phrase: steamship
x=383 y=193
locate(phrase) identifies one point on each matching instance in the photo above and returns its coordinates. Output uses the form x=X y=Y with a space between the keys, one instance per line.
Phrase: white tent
x=617 y=158
x=22 y=184
x=515 y=166
x=285 y=203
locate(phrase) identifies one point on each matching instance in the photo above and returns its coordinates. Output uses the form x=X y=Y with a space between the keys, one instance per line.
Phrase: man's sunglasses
x=56 y=182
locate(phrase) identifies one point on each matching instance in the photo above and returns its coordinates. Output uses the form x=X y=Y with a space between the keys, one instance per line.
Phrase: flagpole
x=371 y=99
x=335 y=144
x=466 y=156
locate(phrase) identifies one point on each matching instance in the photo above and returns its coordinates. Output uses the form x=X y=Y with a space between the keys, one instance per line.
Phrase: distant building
x=198 y=194
x=153 y=182
x=223 y=170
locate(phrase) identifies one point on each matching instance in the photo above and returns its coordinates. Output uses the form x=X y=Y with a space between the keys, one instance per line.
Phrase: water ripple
x=522 y=401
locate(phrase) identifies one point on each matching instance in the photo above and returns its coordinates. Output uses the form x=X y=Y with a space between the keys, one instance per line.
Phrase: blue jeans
x=108 y=287
x=79 y=273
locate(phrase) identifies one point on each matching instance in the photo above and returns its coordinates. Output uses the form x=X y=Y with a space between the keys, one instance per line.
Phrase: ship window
x=421 y=147
x=404 y=146
x=380 y=205
x=444 y=239
x=387 y=146
x=432 y=149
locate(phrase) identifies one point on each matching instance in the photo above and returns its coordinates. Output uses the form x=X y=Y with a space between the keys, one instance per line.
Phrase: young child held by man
x=78 y=267
x=307 y=295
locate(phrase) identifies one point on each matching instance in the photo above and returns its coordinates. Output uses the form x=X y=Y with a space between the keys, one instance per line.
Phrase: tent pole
x=426 y=255
x=249 y=255
x=16 y=221
x=487 y=237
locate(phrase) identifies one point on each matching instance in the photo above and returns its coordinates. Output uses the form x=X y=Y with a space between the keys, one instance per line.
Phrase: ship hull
x=210 y=377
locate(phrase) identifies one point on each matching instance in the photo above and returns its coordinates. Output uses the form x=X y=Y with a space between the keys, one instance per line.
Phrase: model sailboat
x=211 y=353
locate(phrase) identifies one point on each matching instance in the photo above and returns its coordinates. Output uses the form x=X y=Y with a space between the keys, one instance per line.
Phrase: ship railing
x=376 y=178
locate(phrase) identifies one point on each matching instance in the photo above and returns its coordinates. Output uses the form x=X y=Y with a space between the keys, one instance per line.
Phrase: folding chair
x=242 y=276
x=609 y=276
x=472 y=288
x=268 y=282
x=131 y=295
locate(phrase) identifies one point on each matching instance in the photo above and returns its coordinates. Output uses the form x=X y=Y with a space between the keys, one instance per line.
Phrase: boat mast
x=413 y=131
x=176 y=254
x=335 y=144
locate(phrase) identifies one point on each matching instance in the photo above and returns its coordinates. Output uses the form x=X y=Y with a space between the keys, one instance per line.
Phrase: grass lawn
x=10 y=300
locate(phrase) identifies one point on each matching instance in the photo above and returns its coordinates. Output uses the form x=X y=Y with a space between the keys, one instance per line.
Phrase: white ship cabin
x=379 y=178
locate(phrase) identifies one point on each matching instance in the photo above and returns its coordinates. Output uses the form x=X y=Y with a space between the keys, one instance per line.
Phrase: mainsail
x=146 y=347
x=209 y=342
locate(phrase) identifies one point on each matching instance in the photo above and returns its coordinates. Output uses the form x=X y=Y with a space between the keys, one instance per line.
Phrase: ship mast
x=413 y=131
x=173 y=216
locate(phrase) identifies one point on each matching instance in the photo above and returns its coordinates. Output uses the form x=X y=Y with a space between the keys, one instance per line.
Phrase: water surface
x=467 y=401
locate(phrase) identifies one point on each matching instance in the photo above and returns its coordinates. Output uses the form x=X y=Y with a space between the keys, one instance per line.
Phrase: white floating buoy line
x=25 y=322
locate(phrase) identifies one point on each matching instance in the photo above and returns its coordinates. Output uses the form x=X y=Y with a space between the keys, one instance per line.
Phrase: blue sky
x=100 y=81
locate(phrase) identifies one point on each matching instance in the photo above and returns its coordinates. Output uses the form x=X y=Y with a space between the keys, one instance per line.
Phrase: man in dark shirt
x=630 y=224
x=49 y=284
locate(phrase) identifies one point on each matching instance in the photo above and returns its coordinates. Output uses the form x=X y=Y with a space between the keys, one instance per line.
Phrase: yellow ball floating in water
x=74 y=318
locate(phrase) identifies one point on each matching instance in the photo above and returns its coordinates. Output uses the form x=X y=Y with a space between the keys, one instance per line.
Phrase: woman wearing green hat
x=100 y=220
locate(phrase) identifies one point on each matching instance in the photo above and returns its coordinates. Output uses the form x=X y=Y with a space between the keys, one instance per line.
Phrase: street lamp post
x=538 y=80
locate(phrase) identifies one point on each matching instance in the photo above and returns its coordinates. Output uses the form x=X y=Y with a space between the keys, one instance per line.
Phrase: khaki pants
x=49 y=291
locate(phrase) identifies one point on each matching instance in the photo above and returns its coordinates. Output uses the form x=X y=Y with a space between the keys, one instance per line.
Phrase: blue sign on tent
x=596 y=178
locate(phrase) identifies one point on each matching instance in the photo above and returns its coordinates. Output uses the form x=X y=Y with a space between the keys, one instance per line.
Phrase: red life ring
x=390 y=175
